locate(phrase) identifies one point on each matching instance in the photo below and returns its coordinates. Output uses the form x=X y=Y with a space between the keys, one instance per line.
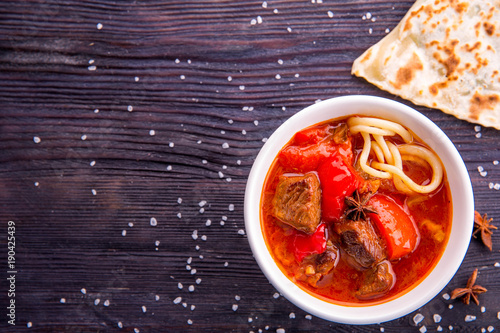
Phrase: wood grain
x=212 y=83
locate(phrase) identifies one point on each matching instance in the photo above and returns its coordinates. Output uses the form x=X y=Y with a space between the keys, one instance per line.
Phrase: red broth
x=432 y=214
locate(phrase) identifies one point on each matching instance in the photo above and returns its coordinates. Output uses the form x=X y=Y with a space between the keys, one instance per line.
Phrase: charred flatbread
x=444 y=54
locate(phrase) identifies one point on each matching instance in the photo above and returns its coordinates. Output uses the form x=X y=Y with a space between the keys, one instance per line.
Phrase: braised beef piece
x=316 y=266
x=378 y=281
x=361 y=242
x=297 y=202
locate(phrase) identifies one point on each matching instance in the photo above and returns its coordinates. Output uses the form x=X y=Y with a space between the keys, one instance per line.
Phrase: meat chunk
x=361 y=242
x=378 y=281
x=297 y=201
x=316 y=266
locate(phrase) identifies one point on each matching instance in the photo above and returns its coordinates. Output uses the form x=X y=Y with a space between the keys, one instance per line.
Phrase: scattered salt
x=182 y=77
x=83 y=291
x=235 y=307
x=84 y=137
x=450 y=306
x=179 y=285
x=190 y=322
x=495 y=162
x=477 y=128
x=94 y=192
x=276 y=295
x=225 y=145
x=179 y=215
x=446 y=296
x=177 y=300
x=497 y=264
x=96 y=110
x=153 y=222
x=491 y=328
x=469 y=318
x=120 y=324
x=241 y=232
x=99 y=26
x=439 y=328
x=36 y=139
x=195 y=235
x=152 y=132
x=330 y=14
x=291 y=315
x=259 y=19
x=208 y=223
x=308 y=317
x=144 y=309
x=277 y=76
x=418 y=318
x=202 y=203
x=29 y=324
x=62 y=300
x=483 y=309
x=242 y=87
x=280 y=330
x=130 y=108
x=437 y=318
x=97 y=301
x=92 y=68
x=231 y=207
x=106 y=302
x=92 y=163
x=478 y=135
x=191 y=288
x=136 y=79
x=423 y=329
x=124 y=233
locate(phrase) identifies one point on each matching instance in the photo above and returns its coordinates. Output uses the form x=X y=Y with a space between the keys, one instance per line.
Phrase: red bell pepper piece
x=395 y=225
x=304 y=244
x=338 y=179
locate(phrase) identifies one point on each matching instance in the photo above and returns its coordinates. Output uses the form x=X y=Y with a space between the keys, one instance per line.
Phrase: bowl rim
x=462 y=203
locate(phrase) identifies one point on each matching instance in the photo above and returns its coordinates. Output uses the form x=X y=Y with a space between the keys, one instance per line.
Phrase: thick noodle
x=390 y=157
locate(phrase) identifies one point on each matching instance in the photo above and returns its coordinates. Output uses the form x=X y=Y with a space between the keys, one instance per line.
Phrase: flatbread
x=444 y=54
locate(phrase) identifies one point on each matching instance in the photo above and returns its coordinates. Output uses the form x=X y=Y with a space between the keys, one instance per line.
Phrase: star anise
x=483 y=227
x=469 y=291
x=358 y=206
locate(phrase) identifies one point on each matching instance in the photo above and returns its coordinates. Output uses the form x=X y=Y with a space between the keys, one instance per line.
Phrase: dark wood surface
x=82 y=176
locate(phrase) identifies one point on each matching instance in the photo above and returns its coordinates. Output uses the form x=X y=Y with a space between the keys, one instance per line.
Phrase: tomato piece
x=304 y=159
x=338 y=179
x=395 y=225
x=311 y=135
x=304 y=244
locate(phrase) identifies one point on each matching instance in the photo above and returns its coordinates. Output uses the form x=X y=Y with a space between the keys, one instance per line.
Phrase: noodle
x=390 y=157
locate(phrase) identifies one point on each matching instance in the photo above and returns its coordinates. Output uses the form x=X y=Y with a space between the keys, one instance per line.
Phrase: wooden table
x=127 y=132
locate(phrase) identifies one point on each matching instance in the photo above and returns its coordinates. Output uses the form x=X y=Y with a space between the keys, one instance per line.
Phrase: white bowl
x=462 y=207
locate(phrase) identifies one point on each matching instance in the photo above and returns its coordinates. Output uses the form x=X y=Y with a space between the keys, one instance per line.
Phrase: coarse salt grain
x=194 y=235
x=191 y=288
x=483 y=309
x=179 y=215
x=330 y=14
x=144 y=309
x=208 y=223
x=446 y=296
x=94 y=192
x=130 y=224
x=178 y=300
x=496 y=186
x=478 y=135
x=477 y=128
x=62 y=300
x=179 y=285
x=92 y=163
x=491 y=328
x=198 y=281
x=235 y=307
x=253 y=21
x=153 y=222
x=241 y=232
x=280 y=330
x=124 y=233
x=225 y=145
x=495 y=162
x=308 y=317
x=418 y=318
x=277 y=76
x=83 y=291
x=97 y=301
x=84 y=137
x=36 y=139
x=439 y=328
x=437 y=318
x=242 y=87
x=259 y=19
x=231 y=207
x=423 y=329
x=469 y=318
x=202 y=203
x=96 y=110
x=152 y=132
x=36 y=183
x=29 y=324
x=264 y=4
x=276 y=295
x=106 y=302
x=92 y=68
x=221 y=175
x=450 y=306
x=99 y=26
x=291 y=315
x=497 y=264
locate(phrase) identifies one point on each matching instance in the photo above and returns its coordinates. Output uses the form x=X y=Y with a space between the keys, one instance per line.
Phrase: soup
x=356 y=210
